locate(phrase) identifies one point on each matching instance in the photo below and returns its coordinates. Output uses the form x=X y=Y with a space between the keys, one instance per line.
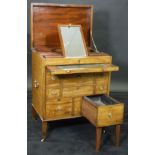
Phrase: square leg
x=34 y=114
x=117 y=135
x=44 y=130
x=98 y=138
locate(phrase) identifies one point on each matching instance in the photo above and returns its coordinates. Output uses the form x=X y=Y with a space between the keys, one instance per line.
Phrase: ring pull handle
x=68 y=71
x=101 y=88
x=53 y=92
x=36 y=84
x=110 y=115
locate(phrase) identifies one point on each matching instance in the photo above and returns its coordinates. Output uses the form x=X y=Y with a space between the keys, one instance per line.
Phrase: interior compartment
x=100 y=100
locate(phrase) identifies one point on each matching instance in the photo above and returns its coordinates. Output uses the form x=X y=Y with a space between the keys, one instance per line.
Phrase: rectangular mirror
x=72 y=41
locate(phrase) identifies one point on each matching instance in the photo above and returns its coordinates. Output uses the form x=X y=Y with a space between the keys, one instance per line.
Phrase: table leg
x=117 y=135
x=44 y=130
x=34 y=115
x=98 y=138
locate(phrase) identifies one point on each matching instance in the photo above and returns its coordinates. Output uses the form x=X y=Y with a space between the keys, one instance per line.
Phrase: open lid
x=45 y=18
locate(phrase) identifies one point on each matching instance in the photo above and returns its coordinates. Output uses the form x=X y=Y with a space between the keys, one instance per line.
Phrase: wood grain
x=45 y=20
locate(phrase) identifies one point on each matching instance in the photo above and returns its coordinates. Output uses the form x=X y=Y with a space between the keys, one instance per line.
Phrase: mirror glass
x=72 y=41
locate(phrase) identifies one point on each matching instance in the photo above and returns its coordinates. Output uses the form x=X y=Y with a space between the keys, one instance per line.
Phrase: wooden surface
x=106 y=59
x=38 y=84
x=46 y=17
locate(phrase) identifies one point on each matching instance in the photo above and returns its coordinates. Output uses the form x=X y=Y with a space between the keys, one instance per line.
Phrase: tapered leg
x=98 y=138
x=34 y=115
x=117 y=135
x=44 y=130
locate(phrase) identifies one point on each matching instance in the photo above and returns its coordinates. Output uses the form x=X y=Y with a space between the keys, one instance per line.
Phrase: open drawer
x=102 y=110
x=82 y=68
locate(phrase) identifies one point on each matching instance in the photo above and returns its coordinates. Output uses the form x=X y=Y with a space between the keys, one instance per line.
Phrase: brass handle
x=68 y=71
x=36 y=84
x=53 y=92
x=101 y=88
x=110 y=115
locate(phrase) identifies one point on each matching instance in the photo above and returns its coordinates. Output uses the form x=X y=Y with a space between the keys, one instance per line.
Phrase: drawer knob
x=68 y=71
x=53 y=92
x=110 y=115
x=52 y=78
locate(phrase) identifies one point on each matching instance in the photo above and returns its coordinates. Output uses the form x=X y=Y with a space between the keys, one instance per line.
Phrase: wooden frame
x=61 y=38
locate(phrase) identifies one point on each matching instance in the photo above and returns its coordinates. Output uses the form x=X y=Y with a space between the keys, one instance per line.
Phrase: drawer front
x=101 y=89
x=110 y=115
x=89 y=111
x=75 y=80
x=58 y=100
x=57 y=111
x=77 y=91
x=101 y=78
x=101 y=82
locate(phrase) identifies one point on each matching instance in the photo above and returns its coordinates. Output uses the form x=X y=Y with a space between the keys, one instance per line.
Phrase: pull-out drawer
x=82 y=68
x=102 y=110
x=59 y=110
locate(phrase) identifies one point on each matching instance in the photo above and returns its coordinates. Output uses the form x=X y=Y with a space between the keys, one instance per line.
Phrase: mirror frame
x=62 y=41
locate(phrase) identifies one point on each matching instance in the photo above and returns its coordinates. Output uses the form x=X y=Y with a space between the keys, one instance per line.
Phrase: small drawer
x=75 y=80
x=57 y=111
x=77 y=91
x=102 y=110
x=101 y=89
x=52 y=80
x=59 y=100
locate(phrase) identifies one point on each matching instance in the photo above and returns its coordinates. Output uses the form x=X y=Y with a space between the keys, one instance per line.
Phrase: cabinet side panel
x=38 y=79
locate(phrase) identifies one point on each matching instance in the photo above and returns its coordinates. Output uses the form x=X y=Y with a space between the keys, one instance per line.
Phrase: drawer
x=58 y=100
x=101 y=78
x=78 y=91
x=101 y=89
x=57 y=111
x=102 y=110
x=77 y=79
x=52 y=80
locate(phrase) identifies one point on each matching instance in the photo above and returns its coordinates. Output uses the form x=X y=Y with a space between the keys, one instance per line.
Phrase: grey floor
x=75 y=136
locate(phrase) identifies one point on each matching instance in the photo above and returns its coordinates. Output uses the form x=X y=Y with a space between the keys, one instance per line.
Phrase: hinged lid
x=45 y=18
